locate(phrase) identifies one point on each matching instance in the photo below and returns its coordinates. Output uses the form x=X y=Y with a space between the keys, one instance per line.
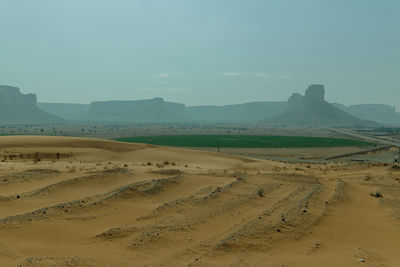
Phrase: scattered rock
x=395 y=167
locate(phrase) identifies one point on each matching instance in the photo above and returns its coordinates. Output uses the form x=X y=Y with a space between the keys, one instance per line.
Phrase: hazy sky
x=201 y=51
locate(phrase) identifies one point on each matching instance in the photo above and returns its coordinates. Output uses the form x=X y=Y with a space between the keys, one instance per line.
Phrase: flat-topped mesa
x=12 y=98
x=315 y=93
x=18 y=108
x=150 y=110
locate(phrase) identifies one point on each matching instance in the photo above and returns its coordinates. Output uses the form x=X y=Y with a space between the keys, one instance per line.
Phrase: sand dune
x=88 y=202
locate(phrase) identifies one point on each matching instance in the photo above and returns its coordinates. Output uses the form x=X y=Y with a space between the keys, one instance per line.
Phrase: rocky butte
x=18 y=108
x=312 y=110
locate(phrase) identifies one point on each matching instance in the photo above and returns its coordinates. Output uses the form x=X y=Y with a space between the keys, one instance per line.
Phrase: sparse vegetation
x=159 y=165
x=260 y=192
x=377 y=194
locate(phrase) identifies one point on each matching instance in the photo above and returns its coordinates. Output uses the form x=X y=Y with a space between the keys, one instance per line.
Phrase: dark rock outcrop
x=18 y=108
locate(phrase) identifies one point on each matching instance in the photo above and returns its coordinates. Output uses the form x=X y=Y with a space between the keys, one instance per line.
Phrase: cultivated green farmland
x=244 y=141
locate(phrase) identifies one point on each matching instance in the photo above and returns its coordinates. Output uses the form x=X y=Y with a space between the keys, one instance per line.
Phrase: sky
x=201 y=52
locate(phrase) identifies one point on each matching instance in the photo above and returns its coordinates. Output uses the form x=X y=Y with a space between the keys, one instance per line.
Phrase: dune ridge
x=117 y=204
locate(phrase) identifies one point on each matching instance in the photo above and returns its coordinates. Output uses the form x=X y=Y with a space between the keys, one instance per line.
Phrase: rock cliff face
x=11 y=98
x=295 y=101
x=312 y=110
x=18 y=108
x=315 y=93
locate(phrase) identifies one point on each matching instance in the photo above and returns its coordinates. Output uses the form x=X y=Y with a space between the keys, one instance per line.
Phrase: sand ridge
x=114 y=204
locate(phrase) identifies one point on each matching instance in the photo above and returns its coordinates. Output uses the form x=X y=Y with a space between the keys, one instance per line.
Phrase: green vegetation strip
x=244 y=141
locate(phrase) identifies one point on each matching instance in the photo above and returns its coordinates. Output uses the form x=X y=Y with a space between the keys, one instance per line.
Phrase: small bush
x=260 y=192
x=377 y=194
x=158 y=165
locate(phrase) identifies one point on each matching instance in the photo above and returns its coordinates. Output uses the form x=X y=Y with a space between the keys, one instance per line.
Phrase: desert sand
x=90 y=202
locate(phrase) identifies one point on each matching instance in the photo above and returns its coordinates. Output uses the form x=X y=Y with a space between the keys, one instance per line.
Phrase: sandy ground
x=311 y=154
x=87 y=202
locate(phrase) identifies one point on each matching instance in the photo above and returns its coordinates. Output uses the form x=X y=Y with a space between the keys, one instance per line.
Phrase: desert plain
x=89 y=202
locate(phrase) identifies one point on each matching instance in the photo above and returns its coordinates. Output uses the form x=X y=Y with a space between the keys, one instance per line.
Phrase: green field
x=242 y=141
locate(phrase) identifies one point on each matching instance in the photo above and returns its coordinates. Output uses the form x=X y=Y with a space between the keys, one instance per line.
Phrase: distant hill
x=139 y=111
x=246 y=112
x=312 y=110
x=75 y=112
x=158 y=110
x=18 y=108
x=376 y=112
x=154 y=110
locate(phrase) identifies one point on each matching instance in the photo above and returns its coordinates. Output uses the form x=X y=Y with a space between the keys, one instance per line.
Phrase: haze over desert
x=199 y=133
